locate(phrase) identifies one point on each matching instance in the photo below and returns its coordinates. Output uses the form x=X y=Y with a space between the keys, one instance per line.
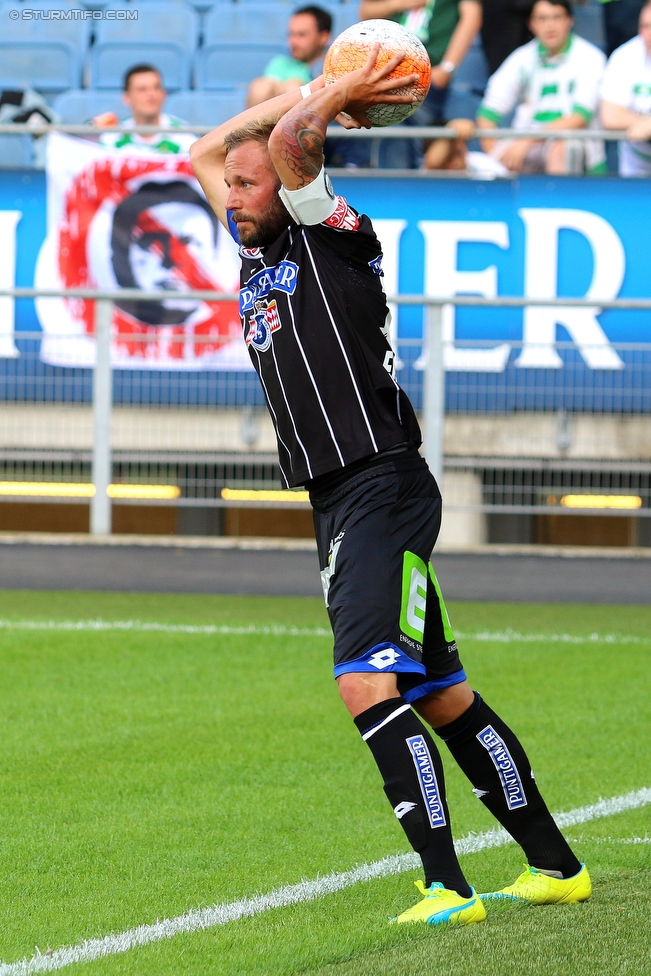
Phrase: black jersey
x=314 y=316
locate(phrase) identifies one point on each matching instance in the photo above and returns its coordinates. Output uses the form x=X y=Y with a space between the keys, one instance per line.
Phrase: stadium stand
x=468 y=84
x=46 y=54
x=78 y=106
x=206 y=108
x=119 y=44
x=255 y=22
x=589 y=23
x=343 y=15
x=226 y=65
x=15 y=152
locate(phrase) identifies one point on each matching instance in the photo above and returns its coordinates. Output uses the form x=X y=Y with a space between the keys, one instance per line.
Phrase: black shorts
x=375 y=534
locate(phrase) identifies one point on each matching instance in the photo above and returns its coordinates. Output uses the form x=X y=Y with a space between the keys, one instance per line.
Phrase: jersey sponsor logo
x=403 y=808
x=282 y=277
x=382 y=659
x=427 y=778
x=344 y=217
x=506 y=768
x=264 y=321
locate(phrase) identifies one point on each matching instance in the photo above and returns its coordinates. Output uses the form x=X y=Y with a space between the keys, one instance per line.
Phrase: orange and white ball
x=350 y=50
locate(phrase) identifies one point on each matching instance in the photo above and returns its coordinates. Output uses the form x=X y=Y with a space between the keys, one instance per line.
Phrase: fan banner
x=135 y=219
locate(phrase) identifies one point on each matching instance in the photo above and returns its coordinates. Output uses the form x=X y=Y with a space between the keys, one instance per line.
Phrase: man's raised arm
x=296 y=144
x=208 y=154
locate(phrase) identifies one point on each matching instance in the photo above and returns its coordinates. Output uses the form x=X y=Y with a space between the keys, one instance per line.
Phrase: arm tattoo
x=302 y=146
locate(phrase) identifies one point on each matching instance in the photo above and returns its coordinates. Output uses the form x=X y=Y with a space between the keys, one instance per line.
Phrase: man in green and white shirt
x=308 y=35
x=626 y=98
x=552 y=83
x=145 y=96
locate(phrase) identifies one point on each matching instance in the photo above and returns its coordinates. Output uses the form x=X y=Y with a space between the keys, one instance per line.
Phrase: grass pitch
x=145 y=773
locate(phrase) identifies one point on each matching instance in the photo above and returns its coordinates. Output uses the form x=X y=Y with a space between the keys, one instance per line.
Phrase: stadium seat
x=589 y=23
x=206 y=108
x=77 y=107
x=110 y=62
x=259 y=22
x=47 y=66
x=15 y=152
x=43 y=54
x=343 y=15
x=166 y=37
x=468 y=84
x=74 y=33
x=225 y=65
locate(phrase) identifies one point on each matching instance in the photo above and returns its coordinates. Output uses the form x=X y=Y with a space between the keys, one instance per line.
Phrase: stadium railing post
x=434 y=392
x=100 y=506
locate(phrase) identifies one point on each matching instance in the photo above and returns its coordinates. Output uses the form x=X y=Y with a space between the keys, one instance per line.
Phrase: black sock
x=492 y=758
x=413 y=782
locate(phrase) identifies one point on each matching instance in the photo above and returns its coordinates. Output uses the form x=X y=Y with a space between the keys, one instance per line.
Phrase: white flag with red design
x=135 y=219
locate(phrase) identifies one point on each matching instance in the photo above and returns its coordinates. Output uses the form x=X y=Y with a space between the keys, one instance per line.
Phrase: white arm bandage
x=312 y=204
x=305 y=90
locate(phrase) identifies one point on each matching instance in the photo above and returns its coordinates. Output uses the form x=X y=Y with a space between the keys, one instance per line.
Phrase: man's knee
x=445 y=704
x=360 y=690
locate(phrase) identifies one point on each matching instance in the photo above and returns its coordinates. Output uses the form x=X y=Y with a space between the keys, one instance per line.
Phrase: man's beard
x=267 y=228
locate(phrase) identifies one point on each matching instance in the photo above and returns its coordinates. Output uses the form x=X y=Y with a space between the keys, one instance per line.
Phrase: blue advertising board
x=542 y=237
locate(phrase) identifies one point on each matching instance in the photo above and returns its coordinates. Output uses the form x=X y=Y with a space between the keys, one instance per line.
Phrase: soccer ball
x=351 y=49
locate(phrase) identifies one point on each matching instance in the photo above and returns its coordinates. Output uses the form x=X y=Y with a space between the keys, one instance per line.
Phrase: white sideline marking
x=609 y=840
x=509 y=636
x=271 y=630
x=279 y=630
x=205 y=918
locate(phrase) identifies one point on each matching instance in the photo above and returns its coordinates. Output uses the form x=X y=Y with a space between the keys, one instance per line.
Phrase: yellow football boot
x=541 y=889
x=440 y=906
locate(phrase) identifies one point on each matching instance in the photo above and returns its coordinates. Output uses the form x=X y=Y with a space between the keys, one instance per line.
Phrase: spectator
x=626 y=98
x=505 y=26
x=145 y=96
x=308 y=34
x=453 y=154
x=447 y=28
x=620 y=21
x=553 y=83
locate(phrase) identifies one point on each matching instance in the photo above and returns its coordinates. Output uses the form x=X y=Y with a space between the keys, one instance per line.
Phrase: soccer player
x=626 y=98
x=553 y=83
x=315 y=322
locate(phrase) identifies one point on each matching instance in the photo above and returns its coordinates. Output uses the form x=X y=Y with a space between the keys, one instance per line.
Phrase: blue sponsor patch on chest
x=506 y=768
x=281 y=277
x=427 y=778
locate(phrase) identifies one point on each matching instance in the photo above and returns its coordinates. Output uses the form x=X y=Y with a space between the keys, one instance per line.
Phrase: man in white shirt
x=552 y=83
x=626 y=99
x=145 y=96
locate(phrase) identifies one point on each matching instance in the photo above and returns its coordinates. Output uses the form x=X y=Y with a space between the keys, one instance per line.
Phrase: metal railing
x=388 y=132
x=497 y=498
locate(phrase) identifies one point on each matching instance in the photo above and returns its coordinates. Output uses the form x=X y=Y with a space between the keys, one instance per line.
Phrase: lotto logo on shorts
x=509 y=776
x=428 y=785
x=383 y=659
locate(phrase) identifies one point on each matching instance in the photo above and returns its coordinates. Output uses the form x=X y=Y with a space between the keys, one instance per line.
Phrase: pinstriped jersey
x=314 y=317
